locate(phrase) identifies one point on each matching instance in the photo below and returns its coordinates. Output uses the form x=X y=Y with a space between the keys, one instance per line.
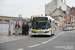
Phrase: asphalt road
x=60 y=41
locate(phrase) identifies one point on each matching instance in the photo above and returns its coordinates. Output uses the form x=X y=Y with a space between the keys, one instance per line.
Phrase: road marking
x=57 y=35
x=34 y=45
x=49 y=39
x=14 y=40
x=45 y=41
x=21 y=49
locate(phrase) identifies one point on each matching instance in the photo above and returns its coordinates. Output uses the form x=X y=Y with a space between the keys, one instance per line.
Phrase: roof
x=68 y=6
x=61 y=12
x=50 y=18
x=8 y=17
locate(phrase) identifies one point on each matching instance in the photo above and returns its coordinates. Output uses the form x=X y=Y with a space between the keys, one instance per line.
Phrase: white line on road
x=34 y=45
x=45 y=41
x=14 y=39
x=21 y=49
x=49 y=39
x=57 y=35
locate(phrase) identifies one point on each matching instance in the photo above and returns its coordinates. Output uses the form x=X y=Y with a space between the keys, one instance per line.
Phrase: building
x=57 y=9
x=58 y=16
x=54 y=4
x=60 y=11
x=6 y=19
x=4 y=23
x=72 y=12
x=67 y=16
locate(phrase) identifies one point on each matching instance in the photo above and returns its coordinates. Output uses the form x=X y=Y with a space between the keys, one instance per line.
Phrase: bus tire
x=32 y=35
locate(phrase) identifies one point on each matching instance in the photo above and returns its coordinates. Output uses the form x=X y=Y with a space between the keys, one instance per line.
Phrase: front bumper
x=40 y=34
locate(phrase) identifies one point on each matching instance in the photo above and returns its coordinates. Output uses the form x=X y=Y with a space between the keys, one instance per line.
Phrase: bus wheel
x=49 y=35
x=32 y=35
x=35 y=35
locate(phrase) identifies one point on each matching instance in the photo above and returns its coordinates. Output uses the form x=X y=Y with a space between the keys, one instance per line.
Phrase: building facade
x=67 y=16
x=61 y=12
x=57 y=9
x=54 y=4
x=72 y=12
x=4 y=23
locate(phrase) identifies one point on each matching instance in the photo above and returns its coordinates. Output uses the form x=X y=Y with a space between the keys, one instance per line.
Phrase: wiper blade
x=43 y=28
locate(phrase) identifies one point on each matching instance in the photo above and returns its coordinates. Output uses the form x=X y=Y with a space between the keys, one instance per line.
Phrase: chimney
x=72 y=6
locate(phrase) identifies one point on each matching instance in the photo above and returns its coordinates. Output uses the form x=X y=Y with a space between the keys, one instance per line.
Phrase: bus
x=42 y=25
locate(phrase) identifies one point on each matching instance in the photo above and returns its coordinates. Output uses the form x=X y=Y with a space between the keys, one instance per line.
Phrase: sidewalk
x=5 y=33
x=5 y=38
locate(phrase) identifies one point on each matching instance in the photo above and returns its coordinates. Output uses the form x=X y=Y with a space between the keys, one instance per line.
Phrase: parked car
x=66 y=29
x=74 y=27
x=71 y=28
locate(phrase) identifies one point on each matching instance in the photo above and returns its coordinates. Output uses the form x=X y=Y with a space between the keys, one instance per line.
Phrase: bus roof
x=49 y=17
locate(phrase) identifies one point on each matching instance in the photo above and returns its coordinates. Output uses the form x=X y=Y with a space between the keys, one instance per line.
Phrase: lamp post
x=9 y=28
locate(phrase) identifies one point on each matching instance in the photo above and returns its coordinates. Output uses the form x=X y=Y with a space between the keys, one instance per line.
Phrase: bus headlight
x=49 y=30
x=31 y=30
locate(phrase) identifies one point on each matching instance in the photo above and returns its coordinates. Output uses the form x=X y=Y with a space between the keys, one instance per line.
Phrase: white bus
x=42 y=25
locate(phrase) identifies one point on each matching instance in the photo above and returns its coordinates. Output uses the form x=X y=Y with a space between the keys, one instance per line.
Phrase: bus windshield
x=40 y=24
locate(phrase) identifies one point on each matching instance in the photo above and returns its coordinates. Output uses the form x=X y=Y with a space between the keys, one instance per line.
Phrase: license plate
x=40 y=32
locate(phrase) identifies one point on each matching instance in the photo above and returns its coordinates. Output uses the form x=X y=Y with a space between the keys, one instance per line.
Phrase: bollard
x=9 y=28
x=9 y=33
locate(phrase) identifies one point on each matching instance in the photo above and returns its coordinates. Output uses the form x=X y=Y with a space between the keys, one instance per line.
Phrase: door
x=4 y=28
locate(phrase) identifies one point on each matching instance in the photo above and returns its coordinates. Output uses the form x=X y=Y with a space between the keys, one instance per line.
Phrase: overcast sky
x=25 y=7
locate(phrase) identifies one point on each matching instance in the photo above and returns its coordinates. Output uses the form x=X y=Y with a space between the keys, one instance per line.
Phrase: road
x=62 y=40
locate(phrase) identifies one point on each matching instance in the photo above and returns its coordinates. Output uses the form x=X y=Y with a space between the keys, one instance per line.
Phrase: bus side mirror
x=50 y=21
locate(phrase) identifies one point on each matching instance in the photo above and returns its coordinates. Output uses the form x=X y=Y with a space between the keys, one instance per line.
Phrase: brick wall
x=67 y=17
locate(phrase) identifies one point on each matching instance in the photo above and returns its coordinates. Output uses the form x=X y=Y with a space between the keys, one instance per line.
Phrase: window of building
x=65 y=22
x=64 y=17
x=1 y=20
x=64 y=12
x=6 y=21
